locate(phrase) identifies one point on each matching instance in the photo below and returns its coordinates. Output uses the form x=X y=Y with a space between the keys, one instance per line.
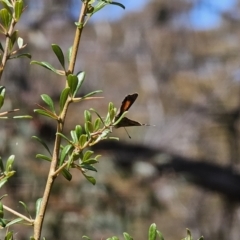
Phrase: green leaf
x=127 y=236
x=189 y=235
x=78 y=130
x=69 y=54
x=152 y=233
x=90 y=161
x=79 y=25
x=38 y=205
x=87 y=155
x=64 y=97
x=13 y=39
x=10 y=163
x=93 y=110
x=86 y=237
x=112 y=114
x=43 y=143
x=9 y=236
x=88 y=167
x=64 y=137
x=2 y=95
x=7 y=5
x=44 y=157
x=92 y=93
x=3 y=222
x=48 y=100
x=88 y=127
x=1 y=210
x=16 y=220
x=83 y=140
x=87 y=116
x=90 y=179
x=7 y=2
x=160 y=235
x=3 y=181
x=5 y=18
x=25 y=207
x=45 y=113
x=97 y=124
x=74 y=136
x=28 y=55
x=49 y=67
x=58 y=52
x=120 y=118
x=72 y=83
x=110 y=107
x=64 y=153
x=18 y=9
x=81 y=77
x=201 y=238
x=115 y=238
x=66 y=174
x=20 y=42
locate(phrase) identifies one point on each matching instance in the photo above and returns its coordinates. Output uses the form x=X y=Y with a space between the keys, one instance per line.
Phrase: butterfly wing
x=127 y=103
x=126 y=122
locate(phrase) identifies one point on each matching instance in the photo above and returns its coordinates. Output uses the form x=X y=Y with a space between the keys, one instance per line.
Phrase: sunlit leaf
x=10 y=163
x=152 y=232
x=18 y=9
x=64 y=153
x=83 y=140
x=81 y=77
x=58 y=52
x=72 y=83
x=74 y=136
x=92 y=93
x=16 y=220
x=78 y=130
x=49 y=67
x=45 y=113
x=87 y=116
x=5 y=17
x=160 y=235
x=48 y=100
x=127 y=236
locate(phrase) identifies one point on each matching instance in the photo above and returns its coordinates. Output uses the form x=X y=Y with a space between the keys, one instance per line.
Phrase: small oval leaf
x=64 y=97
x=48 y=100
x=58 y=52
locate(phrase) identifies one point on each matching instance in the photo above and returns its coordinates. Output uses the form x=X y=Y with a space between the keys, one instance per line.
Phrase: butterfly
x=126 y=104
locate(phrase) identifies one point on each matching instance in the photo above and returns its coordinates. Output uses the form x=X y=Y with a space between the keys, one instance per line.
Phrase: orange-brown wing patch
x=127 y=103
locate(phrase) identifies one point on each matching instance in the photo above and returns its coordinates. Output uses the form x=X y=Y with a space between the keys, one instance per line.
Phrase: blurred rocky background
x=183 y=58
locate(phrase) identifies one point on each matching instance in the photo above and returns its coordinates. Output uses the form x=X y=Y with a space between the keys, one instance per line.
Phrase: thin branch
x=19 y=215
x=54 y=163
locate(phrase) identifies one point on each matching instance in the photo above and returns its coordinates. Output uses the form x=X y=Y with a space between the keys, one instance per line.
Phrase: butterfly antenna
x=127 y=133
